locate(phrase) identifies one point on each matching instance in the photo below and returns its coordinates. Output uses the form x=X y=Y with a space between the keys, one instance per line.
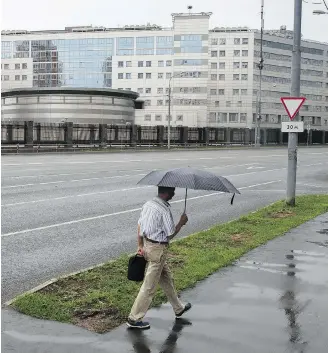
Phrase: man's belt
x=156 y=242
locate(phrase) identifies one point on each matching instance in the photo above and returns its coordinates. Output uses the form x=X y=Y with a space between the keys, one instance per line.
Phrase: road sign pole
x=295 y=91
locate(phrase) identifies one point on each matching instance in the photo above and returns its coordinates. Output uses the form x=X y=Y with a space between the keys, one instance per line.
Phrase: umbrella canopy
x=189 y=178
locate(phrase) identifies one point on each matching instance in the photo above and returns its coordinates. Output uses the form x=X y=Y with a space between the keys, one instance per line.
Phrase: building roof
x=68 y=90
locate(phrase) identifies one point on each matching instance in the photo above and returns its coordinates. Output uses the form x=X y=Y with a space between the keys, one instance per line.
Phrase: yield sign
x=292 y=105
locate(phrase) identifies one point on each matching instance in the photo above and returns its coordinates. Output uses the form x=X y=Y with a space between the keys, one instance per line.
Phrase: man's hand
x=141 y=251
x=183 y=219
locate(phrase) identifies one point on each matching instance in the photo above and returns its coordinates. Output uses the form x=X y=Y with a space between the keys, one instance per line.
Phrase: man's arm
x=140 y=241
x=183 y=220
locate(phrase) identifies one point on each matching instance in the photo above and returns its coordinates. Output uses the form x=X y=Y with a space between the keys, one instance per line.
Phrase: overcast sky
x=56 y=14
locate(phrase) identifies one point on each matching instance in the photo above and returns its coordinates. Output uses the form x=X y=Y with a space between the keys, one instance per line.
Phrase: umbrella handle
x=185 y=207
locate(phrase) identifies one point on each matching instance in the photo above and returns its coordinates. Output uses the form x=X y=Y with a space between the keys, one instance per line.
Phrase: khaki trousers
x=157 y=272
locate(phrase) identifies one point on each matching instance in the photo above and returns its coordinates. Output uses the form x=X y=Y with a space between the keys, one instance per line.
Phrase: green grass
x=101 y=298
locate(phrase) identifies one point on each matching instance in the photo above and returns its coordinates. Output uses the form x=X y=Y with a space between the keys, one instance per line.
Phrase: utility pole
x=294 y=92
x=259 y=96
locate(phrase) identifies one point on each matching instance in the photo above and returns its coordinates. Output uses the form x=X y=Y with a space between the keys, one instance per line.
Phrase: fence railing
x=69 y=134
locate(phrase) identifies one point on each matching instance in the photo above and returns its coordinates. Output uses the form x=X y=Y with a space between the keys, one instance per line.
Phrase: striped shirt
x=156 y=221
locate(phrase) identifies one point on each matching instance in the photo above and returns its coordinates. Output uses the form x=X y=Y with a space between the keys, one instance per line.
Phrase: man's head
x=166 y=193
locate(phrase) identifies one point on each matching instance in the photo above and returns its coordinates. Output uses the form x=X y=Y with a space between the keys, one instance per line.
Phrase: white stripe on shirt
x=156 y=220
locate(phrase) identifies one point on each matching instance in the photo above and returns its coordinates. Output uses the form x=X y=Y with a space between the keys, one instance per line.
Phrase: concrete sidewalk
x=273 y=300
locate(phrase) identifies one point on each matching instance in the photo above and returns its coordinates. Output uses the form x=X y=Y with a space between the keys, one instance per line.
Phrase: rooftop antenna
x=189 y=8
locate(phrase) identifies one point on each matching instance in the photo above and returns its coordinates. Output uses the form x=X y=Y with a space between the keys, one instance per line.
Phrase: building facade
x=212 y=72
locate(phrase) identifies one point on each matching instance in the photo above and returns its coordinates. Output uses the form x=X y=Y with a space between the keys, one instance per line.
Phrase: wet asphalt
x=273 y=300
x=63 y=213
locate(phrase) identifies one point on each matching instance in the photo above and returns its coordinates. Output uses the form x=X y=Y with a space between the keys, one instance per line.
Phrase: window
x=24 y=77
x=140 y=90
x=6 y=77
x=159 y=102
x=168 y=62
x=222 y=53
x=148 y=75
x=221 y=92
x=233 y=117
x=244 y=52
x=244 y=92
x=223 y=41
x=236 y=65
x=244 y=77
x=179 y=117
x=128 y=89
x=160 y=75
x=128 y=64
x=120 y=76
x=147 y=102
x=168 y=75
x=24 y=66
x=214 y=66
x=214 y=53
x=244 y=65
x=222 y=77
x=217 y=103
x=235 y=92
x=6 y=66
x=160 y=90
x=236 y=53
x=120 y=63
x=221 y=65
x=140 y=75
x=158 y=117
x=148 y=90
x=236 y=77
x=239 y=103
x=213 y=92
x=167 y=90
x=160 y=63
x=140 y=63
x=228 y=104
x=243 y=117
x=17 y=66
x=128 y=76
x=17 y=77
x=214 y=41
x=236 y=41
x=148 y=117
x=148 y=63
x=245 y=40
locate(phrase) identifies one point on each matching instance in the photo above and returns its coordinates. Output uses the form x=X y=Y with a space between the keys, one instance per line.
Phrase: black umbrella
x=189 y=178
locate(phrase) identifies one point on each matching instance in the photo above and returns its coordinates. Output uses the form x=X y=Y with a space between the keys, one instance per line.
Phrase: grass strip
x=100 y=299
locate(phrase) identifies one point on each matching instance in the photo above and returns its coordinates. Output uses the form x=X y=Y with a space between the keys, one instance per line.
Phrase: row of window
x=159 y=117
x=141 y=75
x=160 y=63
x=235 y=92
x=222 y=53
x=235 y=77
x=17 y=66
x=17 y=77
x=288 y=58
x=223 y=41
x=283 y=80
x=223 y=117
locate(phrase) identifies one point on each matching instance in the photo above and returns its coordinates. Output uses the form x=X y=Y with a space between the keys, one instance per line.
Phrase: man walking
x=155 y=229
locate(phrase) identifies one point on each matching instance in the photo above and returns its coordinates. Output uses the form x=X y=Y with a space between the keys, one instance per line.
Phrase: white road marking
x=73 y=180
x=119 y=213
x=73 y=196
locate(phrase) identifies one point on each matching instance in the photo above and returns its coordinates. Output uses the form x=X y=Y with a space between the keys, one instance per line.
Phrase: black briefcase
x=136 y=268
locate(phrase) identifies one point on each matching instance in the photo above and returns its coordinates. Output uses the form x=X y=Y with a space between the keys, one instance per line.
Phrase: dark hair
x=165 y=189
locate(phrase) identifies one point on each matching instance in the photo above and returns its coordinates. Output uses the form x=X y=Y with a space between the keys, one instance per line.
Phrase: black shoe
x=186 y=308
x=138 y=324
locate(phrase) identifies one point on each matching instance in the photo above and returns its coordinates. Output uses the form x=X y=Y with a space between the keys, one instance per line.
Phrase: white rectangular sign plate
x=293 y=126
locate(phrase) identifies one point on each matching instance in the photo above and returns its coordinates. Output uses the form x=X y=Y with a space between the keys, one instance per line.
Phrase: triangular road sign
x=292 y=105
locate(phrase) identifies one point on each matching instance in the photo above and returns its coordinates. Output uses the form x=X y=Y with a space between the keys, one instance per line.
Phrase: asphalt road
x=63 y=213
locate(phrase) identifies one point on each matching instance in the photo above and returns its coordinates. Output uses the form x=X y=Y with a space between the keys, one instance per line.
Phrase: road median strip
x=100 y=299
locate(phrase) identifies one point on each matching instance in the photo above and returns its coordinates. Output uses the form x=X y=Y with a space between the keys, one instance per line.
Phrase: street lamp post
x=259 y=96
